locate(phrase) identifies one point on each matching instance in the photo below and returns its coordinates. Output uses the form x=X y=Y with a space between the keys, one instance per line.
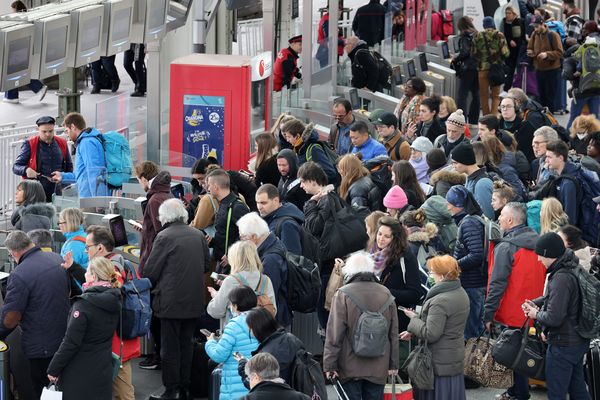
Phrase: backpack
x=534 y=208
x=262 y=298
x=588 y=321
x=372 y=328
x=380 y=169
x=310 y=244
x=327 y=149
x=307 y=376
x=136 y=304
x=384 y=68
x=558 y=27
x=589 y=57
x=492 y=233
x=447 y=24
x=118 y=158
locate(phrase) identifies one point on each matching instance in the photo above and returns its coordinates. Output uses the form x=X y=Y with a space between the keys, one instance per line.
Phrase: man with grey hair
x=541 y=137
x=176 y=267
x=42 y=238
x=363 y=370
x=37 y=299
x=516 y=275
x=265 y=384
x=365 y=68
x=272 y=255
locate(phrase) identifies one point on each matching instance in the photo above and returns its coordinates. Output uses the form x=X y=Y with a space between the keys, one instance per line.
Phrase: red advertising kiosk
x=218 y=104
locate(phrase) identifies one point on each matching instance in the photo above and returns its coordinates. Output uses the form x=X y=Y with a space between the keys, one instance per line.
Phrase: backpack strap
x=229 y=211
x=241 y=280
x=212 y=203
x=361 y=305
x=280 y=225
x=261 y=286
x=78 y=239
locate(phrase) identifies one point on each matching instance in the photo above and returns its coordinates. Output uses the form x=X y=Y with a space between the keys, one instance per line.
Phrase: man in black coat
x=369 y=22
x=289 y=187
x=365 y=68
x=176 y=267
x=263 y=372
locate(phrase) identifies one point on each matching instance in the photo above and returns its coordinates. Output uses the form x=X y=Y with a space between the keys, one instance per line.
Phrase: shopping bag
x=336 y=281
x=396 y=390
x=481 y=367
x=51 y=393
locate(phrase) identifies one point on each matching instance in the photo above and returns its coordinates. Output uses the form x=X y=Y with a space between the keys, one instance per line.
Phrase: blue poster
x=203 y=127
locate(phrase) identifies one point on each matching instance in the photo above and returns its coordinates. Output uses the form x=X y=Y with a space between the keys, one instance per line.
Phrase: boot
x=115 y=85
x=168 y=394
x=95 y=89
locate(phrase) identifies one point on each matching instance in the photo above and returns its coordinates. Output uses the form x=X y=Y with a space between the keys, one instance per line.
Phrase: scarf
x=379 y=257
x=88 y=285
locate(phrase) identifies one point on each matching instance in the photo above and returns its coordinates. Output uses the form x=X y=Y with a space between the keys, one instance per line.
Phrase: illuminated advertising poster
x=203 y=127
x=410 y=32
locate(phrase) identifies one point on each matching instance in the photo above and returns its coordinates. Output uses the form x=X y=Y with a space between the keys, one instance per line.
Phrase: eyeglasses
x=340 y=116
x=91 y=245
x=506 y=107
x=61 y=222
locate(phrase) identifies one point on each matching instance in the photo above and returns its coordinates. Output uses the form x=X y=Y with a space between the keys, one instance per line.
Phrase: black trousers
x=469 y=83
x=548 y=86
x=39 y=376
x=133 y=62
x=177 y=351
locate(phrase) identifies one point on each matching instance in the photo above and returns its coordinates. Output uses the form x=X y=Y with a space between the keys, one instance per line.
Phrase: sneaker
x=43 y=92
x=504 y=396
x=151 y=362
x=12 y=101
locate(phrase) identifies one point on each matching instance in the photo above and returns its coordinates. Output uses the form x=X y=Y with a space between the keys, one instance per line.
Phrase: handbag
x=523 y=353
x=419 y=366
x=51 y=392
x=396 y=390
x=481 y=367
x=344 y=232
x=336 y=281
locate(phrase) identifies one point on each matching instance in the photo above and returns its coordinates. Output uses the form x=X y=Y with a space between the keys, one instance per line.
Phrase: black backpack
x=385 y=70
x=310 y=244
x=380 y=169
x=307 y=376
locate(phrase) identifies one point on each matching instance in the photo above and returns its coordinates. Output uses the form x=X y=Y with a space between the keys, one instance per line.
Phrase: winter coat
x=38 y=290
x=442 y=323
x=159 y=192
x=426 y=237
x=407 y=110
x=436 y=210
x=464 y=56
x=515 y=275
x=76 y=245
x=342 y=324
x=567 y=193
x=365 y=68
x=289 y=186
x=413 y=199
x=267 y=172
x=370 y=149
x=33 y=216
x=532 y=120
x=561 y=303
x=364 y=193
x=286 y=223
x=317 y=213
x=510 y=126
x=397 y=146
x=481 y=186
x=513 y=31
x=241 y=184
x=432 y=130
x=90 y=165
x=272 y=255
x=489 y=47
x=236 y=337
x=404 y=285
x=238 y=210
x=310 y=139
x=441 y=142
x=508 y=168
x=444 y=179
x=83 y=363
x=369 y=22
x=540 y=43
x=176 y=269
x=269 y=390
x=469 y=250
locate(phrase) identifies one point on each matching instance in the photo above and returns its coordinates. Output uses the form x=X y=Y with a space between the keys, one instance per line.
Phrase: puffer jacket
x=561 y=303
x=76 y=244
x=364 y=193
x=34 y=216
x=469 y=250
x=310 y=139
x=436 y=210
x=442 y=324
x=236 y=337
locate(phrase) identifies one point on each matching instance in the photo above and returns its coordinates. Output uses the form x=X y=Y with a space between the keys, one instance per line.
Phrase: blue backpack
x=118 y=158
x=137 y=312
x=558 y=27
x=534 y=208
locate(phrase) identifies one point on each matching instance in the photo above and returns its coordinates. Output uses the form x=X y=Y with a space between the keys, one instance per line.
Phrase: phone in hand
x=218 y=277
x=134 y=223
x=401 y=308
x=237 y=355
x=206 y=332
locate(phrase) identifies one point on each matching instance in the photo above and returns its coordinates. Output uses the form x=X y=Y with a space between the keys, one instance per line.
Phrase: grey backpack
x=371 y=335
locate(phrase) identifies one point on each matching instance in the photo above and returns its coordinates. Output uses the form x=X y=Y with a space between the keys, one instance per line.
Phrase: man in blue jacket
x=37 y=299
x=363 y=143
x=90 y=163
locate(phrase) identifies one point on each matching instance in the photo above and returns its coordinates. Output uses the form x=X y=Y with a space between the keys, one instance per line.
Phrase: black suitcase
x=200 y=374
x=592 y=369
x=215 y=383
x=339 y=389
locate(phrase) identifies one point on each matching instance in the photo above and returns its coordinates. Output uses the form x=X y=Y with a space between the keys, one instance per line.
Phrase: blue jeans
x=577 y=105
x=363 y=389
x=108 y=63
x=474 y=325
x=564 y=372
x=35 y=86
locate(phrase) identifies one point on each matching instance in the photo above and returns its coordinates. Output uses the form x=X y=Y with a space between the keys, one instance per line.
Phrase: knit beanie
x=422 y=144
x=457 y=196
x=550 y=245
x=488 y=22
x=464 y=154
x=457 y=118
x=395 y=198
x=436 y=159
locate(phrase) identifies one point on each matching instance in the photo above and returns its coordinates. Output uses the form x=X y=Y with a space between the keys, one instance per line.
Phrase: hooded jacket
x=442 y=180
x=364 y=193
x=469 y=250
x=312 y=150
x=272 y=255
x=567 y=193
x=533 y=119
x=159 y=192
x=90 y=165
x=365 y=68
x=515 y=275
x=83 y=363
x=34 y=216
x=426 y=237
x=286 y=223
x=481 y=186
x=436 y=210
x=561 y=303
x=289 y=185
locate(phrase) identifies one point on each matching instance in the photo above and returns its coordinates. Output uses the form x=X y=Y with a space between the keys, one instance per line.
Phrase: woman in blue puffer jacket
x=236 y=338
x=70 y=222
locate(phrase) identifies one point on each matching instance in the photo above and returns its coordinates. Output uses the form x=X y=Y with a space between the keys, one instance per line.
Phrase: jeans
x=593 y=103
x=469 y=83
x=108 y=63
x=35 y=86
x=486 y=92
x=474 y=325
x=177 y=351
x=363 y=389
x=549 y=88
x=564 y=372
x=136 y=68
x=39 y=376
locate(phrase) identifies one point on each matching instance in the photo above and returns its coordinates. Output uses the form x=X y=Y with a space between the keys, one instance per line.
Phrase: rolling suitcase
x=592 y=369
x=200 y=374
x=215 y=383
x=339 y=389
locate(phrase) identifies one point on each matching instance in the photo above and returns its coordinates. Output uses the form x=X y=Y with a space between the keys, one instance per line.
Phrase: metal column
x=333 y=43
x=268 y=43
x=307 y=57
x=153 y=117
x=199 y=28
x=68 y=94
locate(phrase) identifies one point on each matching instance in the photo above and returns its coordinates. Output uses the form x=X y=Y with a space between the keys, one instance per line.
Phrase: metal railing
x=10 y=146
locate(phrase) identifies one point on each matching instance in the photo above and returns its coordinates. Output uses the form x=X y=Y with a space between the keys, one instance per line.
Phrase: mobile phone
x=205 y=332
x=177 y=191
x=218 y=277
x=134 y=223
x=237 y=354
x=403 y=308
x=117 y=228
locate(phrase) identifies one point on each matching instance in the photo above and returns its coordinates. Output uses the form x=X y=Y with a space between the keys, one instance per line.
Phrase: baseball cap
x=45 y=120
x=387 y=119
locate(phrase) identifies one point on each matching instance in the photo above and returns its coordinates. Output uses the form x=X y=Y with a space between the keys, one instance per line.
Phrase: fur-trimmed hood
x=423 y=235
x=43 y=209
x=309 y=134
x=452 y=177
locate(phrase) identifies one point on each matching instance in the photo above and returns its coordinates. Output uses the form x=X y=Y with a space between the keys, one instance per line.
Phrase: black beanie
x=436 y=159
x=550 y=245
x=464 y=154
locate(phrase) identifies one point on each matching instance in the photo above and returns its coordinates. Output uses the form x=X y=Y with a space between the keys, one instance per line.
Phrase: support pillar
x=153 y=117
x=68 y=94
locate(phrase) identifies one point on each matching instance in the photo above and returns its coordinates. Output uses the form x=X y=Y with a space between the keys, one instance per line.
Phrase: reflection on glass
x=90 y=31
x=18 y=55
x=56 y=48
x=257 y=115
x=121 y=24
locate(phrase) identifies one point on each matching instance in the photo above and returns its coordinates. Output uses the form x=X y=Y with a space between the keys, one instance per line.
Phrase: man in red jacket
x=286 y=64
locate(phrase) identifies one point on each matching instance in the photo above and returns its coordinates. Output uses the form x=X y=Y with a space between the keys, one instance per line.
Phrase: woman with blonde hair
x=70 y=223
x=277 y=130
x=265 y=163
x=447 y=107
x=356 y=187
x=441 y=324
x=83 y=363
x=371 y=222
x=582 y=127
x=246 y=270
x=552 y=215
